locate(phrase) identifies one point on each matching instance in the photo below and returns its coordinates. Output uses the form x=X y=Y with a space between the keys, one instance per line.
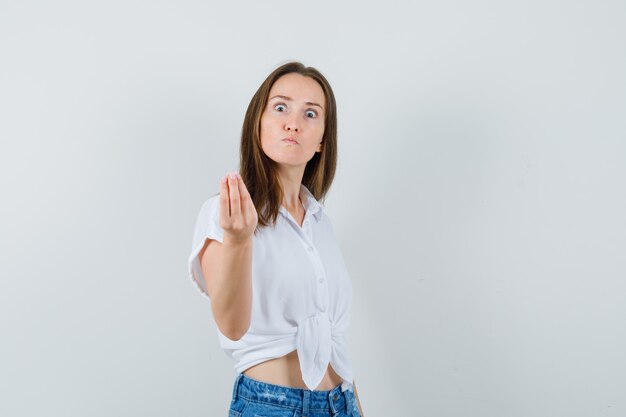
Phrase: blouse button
x=310 y=248
x=320 y=280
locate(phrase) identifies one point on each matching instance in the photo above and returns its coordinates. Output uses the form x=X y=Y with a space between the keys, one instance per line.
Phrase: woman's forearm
x=231 y=300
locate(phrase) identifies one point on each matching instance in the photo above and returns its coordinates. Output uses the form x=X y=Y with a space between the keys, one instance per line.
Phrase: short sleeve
x=207 y=227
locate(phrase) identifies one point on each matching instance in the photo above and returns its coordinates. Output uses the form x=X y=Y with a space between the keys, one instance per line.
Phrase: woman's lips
x=289 y=140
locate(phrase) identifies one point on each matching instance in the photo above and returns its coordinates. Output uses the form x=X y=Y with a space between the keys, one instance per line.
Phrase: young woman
x=265 y=254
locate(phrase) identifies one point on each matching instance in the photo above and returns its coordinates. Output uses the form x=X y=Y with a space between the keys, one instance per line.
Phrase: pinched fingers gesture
x=238 y=216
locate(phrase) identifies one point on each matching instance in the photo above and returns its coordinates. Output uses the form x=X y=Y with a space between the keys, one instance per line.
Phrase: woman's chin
x=291 y=160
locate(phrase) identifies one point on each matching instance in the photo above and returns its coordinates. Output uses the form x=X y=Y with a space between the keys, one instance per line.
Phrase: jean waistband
x=296 y=398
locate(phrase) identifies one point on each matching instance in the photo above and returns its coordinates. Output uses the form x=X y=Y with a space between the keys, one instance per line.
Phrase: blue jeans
x=252 y=398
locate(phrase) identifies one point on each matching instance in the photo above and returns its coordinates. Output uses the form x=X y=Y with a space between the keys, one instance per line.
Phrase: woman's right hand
x=238 y=216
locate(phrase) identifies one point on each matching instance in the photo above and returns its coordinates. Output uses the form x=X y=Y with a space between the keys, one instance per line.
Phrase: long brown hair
x=260 y=173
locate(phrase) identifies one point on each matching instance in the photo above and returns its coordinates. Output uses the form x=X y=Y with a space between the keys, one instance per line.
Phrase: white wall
x=479 y=200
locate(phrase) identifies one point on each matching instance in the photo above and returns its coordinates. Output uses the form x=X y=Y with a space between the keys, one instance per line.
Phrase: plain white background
x=479 y=199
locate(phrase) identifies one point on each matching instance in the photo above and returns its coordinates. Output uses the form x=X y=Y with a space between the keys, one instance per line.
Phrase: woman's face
x=295 y=109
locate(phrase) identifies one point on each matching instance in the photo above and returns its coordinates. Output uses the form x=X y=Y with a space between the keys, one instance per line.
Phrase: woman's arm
x=227 y=266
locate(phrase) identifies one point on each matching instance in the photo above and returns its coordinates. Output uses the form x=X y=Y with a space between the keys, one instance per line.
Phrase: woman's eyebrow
x=310 y=103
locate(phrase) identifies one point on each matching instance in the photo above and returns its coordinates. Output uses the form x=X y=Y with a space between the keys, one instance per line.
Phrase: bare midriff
x=285 y=371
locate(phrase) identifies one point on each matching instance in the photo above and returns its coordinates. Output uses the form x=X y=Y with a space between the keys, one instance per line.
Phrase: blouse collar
x=311 y=205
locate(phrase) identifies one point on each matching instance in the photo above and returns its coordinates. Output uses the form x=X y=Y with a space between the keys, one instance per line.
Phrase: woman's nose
x=291 y=125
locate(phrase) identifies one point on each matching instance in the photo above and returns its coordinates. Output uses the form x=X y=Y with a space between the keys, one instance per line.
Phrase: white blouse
x=301 y=292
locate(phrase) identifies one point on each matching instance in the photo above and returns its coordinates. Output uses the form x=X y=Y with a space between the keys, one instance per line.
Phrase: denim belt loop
x=236 y=387
x=305 y=403
x=333 y=400
x=348 y=400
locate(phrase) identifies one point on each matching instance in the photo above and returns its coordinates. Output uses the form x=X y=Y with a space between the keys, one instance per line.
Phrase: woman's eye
x=279 y=105
x=311 y=112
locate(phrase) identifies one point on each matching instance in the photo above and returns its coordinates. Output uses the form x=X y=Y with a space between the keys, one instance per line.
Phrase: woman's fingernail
x=232 y=176
x=238 y=175
x=224 y=179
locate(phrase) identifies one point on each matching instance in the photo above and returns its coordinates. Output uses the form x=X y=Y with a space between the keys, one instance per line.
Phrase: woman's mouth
x=290 y=140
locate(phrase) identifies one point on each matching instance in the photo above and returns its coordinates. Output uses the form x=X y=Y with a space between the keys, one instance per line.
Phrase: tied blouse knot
x=301 y=292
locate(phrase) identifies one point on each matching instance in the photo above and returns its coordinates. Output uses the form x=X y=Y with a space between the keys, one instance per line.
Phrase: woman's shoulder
x=209 y=209
x=211 y=202
x=324 y=219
